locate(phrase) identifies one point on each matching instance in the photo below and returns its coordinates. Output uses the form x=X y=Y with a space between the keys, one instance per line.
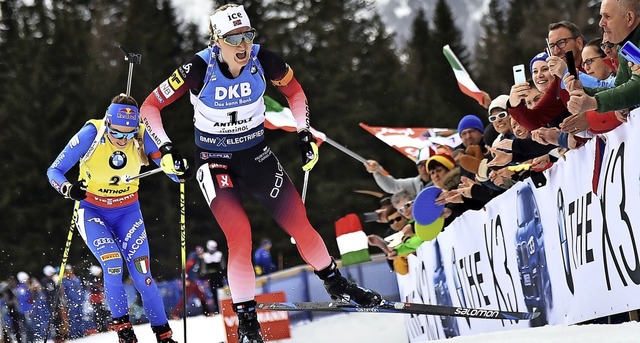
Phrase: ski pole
x=304 y=185
x=132 y=58
x=183 y=253
x=145 y=174
x=63 y=265
x=352 y=153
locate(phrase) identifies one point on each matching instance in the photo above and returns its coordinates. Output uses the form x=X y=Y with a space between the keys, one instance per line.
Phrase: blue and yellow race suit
x=109 y=219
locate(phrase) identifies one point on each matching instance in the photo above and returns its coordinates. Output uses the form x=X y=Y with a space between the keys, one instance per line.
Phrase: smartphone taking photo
x=630 y=52
x=571 y=63
x=518 y=74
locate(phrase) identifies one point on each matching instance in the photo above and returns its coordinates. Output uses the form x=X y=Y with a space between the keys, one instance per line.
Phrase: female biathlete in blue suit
x=226 y=83
x=109 y=218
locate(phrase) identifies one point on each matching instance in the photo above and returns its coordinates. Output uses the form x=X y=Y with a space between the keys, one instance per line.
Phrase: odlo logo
x=232 y=92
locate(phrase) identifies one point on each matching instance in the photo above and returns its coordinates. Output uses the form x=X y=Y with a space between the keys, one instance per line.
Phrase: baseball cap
x=229 y=19
x=499 y=102
x=212 y=245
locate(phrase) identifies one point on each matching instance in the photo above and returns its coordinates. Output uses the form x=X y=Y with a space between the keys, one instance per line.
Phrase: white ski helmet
x=212 y=245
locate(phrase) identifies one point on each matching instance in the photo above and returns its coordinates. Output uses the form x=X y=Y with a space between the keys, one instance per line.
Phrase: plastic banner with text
x=562 y=249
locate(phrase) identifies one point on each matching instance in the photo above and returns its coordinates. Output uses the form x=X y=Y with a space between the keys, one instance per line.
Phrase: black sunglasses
x=394 y=220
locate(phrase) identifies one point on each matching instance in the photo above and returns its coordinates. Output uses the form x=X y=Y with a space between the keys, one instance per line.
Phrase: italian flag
x=280 y=117
x=466 y=84
x=352 y=241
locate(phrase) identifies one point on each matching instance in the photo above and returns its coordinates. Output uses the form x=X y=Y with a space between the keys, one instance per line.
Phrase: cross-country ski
x=398 y=307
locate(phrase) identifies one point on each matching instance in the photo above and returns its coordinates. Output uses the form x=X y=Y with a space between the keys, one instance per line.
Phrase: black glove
x=308 y=150
x=172 y=161
x=76 y=191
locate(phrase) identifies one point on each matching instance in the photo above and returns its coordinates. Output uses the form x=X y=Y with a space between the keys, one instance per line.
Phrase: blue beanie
x=539 y=57
x=470 y=121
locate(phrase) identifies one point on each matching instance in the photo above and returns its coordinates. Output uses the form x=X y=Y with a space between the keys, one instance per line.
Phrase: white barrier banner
x=569 y=249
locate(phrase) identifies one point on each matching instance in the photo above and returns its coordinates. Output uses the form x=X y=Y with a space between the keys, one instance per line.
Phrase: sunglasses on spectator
x=588 y=61
x=394 y=220
x=560 y=43
x=606 y=45
x=120 y=135
x=236 y=38
x=497 y=116
x=405 y=206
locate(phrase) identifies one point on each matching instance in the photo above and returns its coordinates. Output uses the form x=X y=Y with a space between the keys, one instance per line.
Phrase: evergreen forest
x=61 y=63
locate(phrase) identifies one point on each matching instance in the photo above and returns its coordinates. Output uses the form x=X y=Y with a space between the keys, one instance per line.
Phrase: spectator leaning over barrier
x=392 y=235
x=540 y=74
x=471 y=130
x=620 y=20
x=403 y=203
x=392 y=185
x=446 y=176
x=533 y=96
x=611 y=50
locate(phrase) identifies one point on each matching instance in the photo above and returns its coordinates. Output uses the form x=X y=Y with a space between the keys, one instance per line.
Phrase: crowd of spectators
x=26 y=301
x=530 y=127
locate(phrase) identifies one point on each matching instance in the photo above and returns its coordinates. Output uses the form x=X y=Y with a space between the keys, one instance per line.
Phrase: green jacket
x=626 y=91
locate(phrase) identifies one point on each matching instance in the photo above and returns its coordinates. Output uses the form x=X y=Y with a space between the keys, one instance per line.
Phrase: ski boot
x=124 y=329
x=342 y=289
x=163 y=333
x=248 y=325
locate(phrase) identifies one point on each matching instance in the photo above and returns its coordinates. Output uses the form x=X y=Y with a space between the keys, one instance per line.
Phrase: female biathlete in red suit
x=226 y=82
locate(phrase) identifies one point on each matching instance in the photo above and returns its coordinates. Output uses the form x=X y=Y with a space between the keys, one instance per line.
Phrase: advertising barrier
x=274 y=325
x=568 y=249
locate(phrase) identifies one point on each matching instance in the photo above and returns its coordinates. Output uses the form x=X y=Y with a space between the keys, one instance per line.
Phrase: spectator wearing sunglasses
x=396 y=222
x=620 y=21
x=611 y=50
x=225 y=83
x=109 y=151
x=403 y=203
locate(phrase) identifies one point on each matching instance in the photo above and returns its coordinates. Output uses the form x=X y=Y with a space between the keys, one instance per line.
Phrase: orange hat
x=444 y=159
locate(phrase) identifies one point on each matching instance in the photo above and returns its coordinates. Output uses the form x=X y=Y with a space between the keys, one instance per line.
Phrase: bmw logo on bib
x=118 y=160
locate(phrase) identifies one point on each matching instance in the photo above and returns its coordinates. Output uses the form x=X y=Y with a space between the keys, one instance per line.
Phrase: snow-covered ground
x=384 y=328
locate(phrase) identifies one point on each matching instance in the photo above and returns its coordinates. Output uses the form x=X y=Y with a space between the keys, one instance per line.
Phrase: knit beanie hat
x=470 y=121
x=444 y=159
x=539 y=57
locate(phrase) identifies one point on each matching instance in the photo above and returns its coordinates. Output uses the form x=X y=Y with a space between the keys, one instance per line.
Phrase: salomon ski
x=397 y=307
